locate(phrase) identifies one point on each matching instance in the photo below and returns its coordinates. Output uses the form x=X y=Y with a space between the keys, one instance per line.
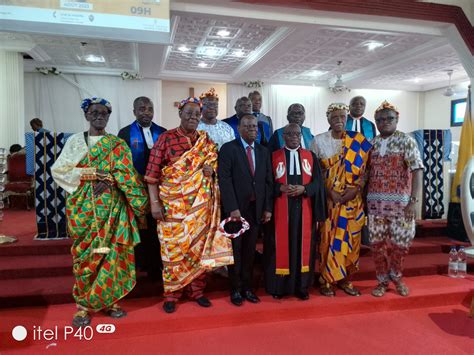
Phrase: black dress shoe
x=236 y=298
x=203 y=302
x=277 y=297
x=169 y=306
x=251 y=297
x=303 y=296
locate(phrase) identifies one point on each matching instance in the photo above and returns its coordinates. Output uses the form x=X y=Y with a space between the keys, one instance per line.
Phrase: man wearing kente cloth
x=300 y=202
x=140 y=136
x=104 y=196
x=184 y=197
x=343 y=156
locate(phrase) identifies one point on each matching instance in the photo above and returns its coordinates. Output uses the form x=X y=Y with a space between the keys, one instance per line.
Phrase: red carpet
x=38 y=273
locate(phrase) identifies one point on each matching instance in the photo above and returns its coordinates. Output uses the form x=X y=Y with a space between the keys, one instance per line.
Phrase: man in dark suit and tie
x=140 y=136
x=245 y=180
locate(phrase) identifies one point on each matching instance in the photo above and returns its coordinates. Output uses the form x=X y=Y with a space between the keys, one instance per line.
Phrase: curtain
x=56 y=100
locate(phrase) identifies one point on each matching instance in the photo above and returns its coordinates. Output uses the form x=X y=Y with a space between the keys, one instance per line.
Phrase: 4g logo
x=87 y=333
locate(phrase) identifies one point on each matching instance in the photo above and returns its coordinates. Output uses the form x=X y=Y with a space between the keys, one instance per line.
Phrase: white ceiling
x=273 y=51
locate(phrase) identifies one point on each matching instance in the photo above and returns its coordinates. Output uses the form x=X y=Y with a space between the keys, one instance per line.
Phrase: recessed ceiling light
x=414 y=80
x=210 y=51
x=372 y=45
x=315 y=73
x=223 y=33
x=92 y=58
x=239 y=53
x=202 y=65
x=183 y=48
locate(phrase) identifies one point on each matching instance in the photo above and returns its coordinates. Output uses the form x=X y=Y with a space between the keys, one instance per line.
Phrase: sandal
x=402 y=289
x=326 y=290
x=348 y=288
x=379 y=290
x=115 y=312
x=81 y=319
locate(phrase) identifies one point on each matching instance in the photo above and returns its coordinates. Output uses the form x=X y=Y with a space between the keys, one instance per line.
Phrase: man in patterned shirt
x=395 y=178
x=219 y=131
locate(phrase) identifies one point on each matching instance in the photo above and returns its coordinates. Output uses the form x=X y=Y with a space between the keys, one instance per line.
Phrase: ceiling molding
x=465 y=55
x=16 y=42
x=31 y=68
x=309 y=16
x=193 y=76
x=38 y=54
x=278 y=36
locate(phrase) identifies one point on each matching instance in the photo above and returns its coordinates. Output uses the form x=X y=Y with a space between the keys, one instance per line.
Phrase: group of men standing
x=308 y=195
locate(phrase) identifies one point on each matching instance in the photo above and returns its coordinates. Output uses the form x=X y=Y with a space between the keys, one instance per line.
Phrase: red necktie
x=250 y=159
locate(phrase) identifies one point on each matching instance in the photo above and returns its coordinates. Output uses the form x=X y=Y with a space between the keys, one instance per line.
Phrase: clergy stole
x=137 y=145
x=281 y=211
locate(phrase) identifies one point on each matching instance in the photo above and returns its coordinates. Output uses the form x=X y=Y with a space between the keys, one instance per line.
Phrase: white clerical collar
x=148 y=136
x=294 y=161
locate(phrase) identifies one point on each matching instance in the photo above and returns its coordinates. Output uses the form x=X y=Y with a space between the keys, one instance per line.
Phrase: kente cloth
x=191 y=242
x=281 y=213
x=50 y=199
x=341 y=232
x=392 y=160
x=220 y=132
x=103 y=228
x=137 y=144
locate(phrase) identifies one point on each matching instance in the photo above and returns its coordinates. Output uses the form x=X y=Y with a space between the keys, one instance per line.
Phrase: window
x=458 y=110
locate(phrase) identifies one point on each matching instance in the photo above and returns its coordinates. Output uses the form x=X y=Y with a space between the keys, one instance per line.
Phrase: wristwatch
x=413 y=199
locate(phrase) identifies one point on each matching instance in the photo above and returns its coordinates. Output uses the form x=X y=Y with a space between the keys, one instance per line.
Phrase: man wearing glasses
x=395 y=175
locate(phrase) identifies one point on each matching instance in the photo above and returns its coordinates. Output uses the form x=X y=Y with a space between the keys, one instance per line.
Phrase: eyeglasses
x=292 y=134
x=385 y=120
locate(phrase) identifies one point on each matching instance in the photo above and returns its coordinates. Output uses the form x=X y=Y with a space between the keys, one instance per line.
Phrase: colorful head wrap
x=86 y=103
x=190 y=100
x=386 y=106
x=335 y=107
x=210 y=93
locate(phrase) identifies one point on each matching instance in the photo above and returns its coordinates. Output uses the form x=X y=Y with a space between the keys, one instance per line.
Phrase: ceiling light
x=372 y=45
x=414 y=80
x=239 y=53
x=183 y=48
x=92 y=58
x=210 y=51
x=202 y=65
x=315 y=73
x=223 y=33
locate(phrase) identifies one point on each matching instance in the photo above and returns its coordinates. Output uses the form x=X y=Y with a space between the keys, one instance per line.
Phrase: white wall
x=175 y=91
x=437 y=109
x=277 y=98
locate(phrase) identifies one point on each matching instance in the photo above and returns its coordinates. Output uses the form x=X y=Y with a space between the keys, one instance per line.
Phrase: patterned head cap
x=386 y=106
x=190 y=100
x=335 y=107
x=86 y=103
x=210 y=93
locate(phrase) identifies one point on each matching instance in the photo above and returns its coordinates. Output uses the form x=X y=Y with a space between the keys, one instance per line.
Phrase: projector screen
x=127 y=20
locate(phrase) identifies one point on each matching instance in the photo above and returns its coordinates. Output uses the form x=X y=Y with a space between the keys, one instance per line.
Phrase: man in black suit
x=245 y=180
x=140 y=136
